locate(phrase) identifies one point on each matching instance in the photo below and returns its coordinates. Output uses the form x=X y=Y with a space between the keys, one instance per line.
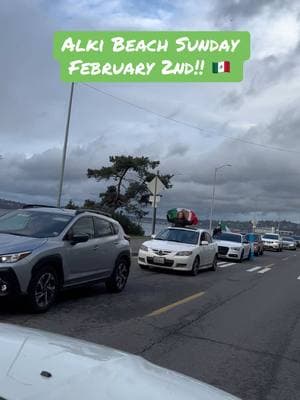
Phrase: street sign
x=159 y=185
x=151 y=199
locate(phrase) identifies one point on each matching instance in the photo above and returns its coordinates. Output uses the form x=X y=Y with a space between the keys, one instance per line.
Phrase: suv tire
x=118 y=279
x=43 y=289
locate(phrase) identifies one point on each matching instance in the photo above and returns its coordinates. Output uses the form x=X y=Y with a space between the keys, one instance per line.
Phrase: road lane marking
x=226 y=265
x=222 y=262
x=173 y=305
x=267 y=268
x=298 y=277
x=253 y=269
x=262 y=271
x=284 y=259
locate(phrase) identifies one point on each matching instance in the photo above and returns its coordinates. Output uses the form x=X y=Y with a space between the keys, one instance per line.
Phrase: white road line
x=222 y=262
x=264 y=270
x=226 y=265
x=284 y=259
x=298 y=278
x=253 y=269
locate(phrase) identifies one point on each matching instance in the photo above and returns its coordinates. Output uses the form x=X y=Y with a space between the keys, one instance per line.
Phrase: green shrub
x=130 y=227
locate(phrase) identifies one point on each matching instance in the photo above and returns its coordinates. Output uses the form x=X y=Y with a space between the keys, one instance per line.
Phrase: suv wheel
x=117 y=281
x=43 y=289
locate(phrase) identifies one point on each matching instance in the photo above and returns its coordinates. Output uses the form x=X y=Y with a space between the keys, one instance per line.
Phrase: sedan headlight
x=235 y=248
x=144 y=248
x=184 y=253
x=12 y=258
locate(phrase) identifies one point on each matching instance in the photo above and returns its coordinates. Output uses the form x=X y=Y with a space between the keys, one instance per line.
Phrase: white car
x=38 y=365
x=233 y=246
x=180 y=249
x=272 y=241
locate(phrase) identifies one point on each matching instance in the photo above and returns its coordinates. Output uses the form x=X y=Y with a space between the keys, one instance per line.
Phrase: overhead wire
x=188 y=124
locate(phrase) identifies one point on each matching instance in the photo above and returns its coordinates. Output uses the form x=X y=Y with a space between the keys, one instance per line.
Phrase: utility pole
x=63 y=163
x=154 y=203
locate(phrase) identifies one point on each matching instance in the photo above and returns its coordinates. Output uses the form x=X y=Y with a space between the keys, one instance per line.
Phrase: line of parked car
x=191 y=249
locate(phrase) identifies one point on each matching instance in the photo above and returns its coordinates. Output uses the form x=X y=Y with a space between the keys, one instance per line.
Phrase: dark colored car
x=258 y=244
x=297 y=239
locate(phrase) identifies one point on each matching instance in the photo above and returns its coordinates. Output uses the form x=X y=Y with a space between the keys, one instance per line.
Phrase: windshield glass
x=178 y=235
x=33 y=223
x=271 y=237
x=230 y=237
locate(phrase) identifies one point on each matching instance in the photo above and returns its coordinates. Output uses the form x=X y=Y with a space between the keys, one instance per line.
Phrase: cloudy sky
x=263 y=182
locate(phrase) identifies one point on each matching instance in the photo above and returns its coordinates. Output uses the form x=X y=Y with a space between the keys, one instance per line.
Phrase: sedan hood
x=169 y=246
x=228 y=244
x=13 y=244
x=37 y=365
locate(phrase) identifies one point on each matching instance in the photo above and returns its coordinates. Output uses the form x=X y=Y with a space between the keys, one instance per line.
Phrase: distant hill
x=9 y=205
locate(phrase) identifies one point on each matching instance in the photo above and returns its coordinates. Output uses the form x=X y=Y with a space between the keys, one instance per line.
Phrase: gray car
x=44 y=250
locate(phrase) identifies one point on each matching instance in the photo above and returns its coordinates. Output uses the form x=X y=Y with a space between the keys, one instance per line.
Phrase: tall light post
x=63 y=163
x=213 y=194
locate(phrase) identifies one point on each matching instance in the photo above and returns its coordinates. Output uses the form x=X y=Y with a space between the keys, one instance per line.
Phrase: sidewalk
x=135 y=243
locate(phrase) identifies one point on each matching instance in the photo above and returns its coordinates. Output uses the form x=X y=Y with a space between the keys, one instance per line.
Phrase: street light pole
x=63 y=163
x=154 y=204
x=213 y=194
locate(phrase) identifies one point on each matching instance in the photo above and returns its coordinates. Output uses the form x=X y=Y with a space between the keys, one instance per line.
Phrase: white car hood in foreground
x=228 y=244
x=169 y=246
x=81 y=370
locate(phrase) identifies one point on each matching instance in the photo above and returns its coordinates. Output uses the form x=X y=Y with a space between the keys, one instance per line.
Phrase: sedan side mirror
x=153 y=236
x=79 y=238
x=204 y=243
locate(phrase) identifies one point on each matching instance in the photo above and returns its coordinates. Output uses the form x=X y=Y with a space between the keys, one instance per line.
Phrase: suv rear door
x=82 y=258
x=107 y=241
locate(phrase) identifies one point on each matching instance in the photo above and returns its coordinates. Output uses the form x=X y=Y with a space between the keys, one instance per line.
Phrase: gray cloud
x=33 y=104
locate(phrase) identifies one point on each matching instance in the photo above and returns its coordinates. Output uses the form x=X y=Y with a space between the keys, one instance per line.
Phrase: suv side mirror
x=153 y=236
x=204 y=243
x=79 y=238
x=245 y=241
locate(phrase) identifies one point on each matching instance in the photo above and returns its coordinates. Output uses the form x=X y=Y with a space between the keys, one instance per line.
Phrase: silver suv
x=46 y=249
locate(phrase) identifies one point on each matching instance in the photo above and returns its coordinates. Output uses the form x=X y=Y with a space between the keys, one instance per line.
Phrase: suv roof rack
x=37 y=206
x=83 y=210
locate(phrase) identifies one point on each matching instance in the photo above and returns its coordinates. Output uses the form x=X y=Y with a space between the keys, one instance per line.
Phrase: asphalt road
x=237 y=328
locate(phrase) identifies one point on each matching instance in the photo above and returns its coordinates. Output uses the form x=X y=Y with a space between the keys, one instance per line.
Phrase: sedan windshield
x=230 y=237
x=33 y=223
x=288 y=239
x=178 y=235
x=274 y=237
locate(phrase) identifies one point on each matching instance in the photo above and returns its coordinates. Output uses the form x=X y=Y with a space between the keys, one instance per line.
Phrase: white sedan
x=38 y=365
x=233 y=246
x=180 y=249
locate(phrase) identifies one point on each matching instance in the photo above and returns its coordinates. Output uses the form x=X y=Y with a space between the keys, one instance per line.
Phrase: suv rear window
x=103 y=228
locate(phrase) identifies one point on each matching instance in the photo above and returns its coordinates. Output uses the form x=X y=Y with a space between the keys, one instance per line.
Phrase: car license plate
x=159 y=260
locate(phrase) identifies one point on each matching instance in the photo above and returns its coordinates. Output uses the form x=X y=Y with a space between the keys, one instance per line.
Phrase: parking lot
x=237 y=328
